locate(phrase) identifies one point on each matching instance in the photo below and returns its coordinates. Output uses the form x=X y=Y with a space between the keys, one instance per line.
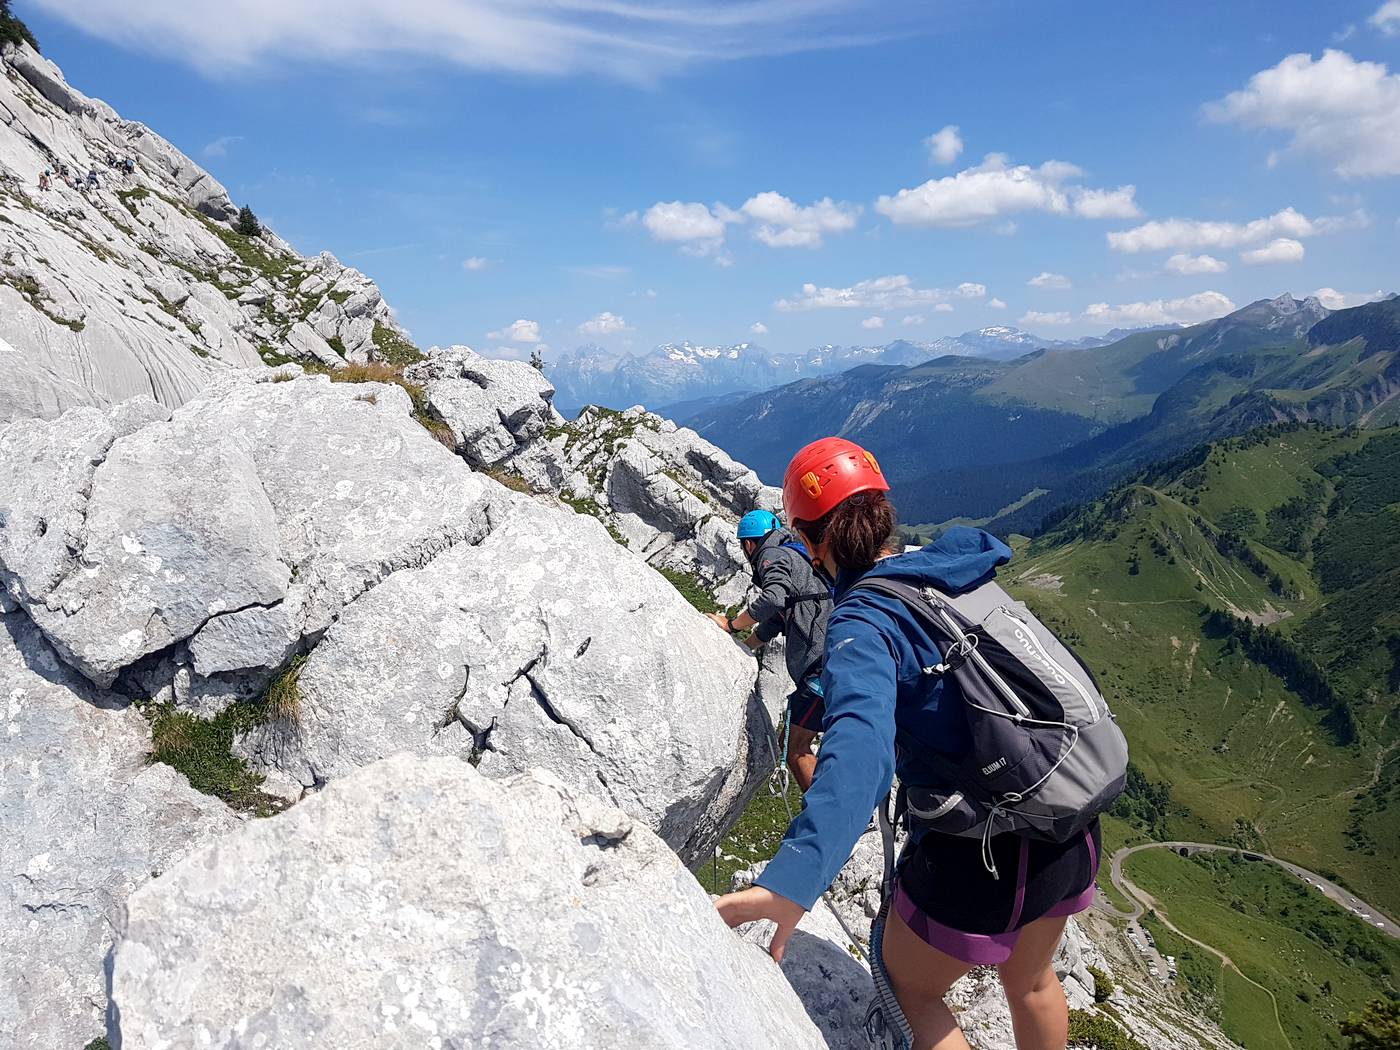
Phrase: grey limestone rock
x=305 y=342
x=258 y=637
x=418 y=903
x=545 y=644
x=122 y=545
x=86 y=820
x=175 y=532
x=46 y=471
x=141 y=286
x=828 y=974
x=496 y=409
x=672 y=495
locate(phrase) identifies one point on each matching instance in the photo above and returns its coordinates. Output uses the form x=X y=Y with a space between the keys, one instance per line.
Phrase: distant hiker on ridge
x=794 y=602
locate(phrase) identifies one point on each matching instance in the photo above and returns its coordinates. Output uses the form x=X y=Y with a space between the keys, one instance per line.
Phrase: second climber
x=794 y=600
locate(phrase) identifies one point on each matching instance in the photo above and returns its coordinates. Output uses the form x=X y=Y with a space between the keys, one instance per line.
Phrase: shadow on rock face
x=38 y=657
x=830 y=980
x=834 y=987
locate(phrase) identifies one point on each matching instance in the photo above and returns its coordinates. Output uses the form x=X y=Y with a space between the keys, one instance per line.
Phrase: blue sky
x=553 y=172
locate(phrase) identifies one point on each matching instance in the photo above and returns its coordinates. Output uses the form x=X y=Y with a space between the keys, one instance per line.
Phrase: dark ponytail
x=859 y=530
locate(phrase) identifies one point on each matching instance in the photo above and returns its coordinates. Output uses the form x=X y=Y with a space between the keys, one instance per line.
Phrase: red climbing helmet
x=824 y=473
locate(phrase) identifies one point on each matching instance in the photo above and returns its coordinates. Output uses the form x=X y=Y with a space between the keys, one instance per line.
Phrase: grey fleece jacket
x=782 y=574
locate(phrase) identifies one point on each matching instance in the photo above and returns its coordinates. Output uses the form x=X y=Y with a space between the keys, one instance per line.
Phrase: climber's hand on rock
x=757 y=903
x=721 y=620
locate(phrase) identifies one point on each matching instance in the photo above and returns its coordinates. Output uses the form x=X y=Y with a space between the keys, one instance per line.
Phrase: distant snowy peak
x=1006 y=334
x=684 y=372
x=688 y=352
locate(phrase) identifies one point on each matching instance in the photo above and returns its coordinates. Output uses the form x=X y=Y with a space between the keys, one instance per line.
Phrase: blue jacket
x=883 y=714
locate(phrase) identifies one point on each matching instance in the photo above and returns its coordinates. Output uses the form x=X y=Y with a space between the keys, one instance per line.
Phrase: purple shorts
x=992 y=949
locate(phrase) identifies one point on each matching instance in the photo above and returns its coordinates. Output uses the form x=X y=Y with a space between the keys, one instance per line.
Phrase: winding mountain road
x=1141 y=900
x=1338 y=895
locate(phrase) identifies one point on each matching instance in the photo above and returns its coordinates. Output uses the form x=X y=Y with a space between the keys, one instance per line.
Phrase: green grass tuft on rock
x=202 y=750
x=393 y=348
x=1103 y=984
x=282 y=701
x=692 y=590
x=131 y=196
x=511 y=481
x=1094 y=1031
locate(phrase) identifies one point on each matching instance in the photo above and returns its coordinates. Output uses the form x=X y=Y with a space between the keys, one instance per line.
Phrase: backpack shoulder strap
x=943 y=624
x=814 y=596
x=918 y=600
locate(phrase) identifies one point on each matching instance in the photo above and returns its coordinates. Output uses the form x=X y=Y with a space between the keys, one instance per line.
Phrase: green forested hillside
x=1240 y=605
x=1122 y=381
x=1319 y=962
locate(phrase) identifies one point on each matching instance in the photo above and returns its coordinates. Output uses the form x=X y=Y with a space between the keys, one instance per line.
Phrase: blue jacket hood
x=959 y=560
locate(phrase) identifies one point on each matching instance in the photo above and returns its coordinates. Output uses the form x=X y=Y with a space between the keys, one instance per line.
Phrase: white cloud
x=1335 y=300
x=894 y=292
x=945 y=145
x=220 y=146
x=476 y=263
x=996 y=304
x=521 y=331
x=1106 y=204
x=1199 y=307
x=1167 y=234
x=943 y=308
x=988 y=191
x=995 y=188
x=1046 y=279
x=873 y=322
x=1189 y=265
x=694 y=226
x=778 y=222
x=914 y=320
x=603 y=324
x=1387 y=18
x=782 y=223
x=1345 y=111
x=623 y=40
x=1280 y=250
x=758 y=328
x=1036 y=317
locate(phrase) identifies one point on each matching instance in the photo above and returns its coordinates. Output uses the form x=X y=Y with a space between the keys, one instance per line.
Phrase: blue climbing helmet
x=758 y=523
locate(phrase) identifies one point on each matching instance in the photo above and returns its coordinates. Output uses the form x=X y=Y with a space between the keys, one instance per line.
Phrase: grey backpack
x=1047 y=756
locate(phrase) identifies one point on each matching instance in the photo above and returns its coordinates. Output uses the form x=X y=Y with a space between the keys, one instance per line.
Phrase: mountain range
x=693 y=376
x=1060 y=425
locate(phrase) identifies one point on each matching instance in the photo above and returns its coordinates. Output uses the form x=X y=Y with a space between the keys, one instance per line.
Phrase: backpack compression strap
x=885 y=1023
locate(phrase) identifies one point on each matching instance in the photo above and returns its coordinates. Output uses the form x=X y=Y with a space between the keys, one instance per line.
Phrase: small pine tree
x=247 y=224
x=537 y=360
x=13 y=30
x=1377 y=1028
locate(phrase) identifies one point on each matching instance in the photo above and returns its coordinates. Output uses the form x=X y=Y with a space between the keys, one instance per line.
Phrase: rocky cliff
x=365 y=706
x=137 y=282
